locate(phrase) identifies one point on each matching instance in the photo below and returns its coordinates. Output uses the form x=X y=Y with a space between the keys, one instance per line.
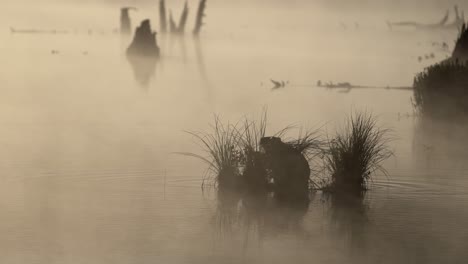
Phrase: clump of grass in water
x=254 y=171
x=441 y=90
x=234 y=156
x=223 y=156
x=356 y=153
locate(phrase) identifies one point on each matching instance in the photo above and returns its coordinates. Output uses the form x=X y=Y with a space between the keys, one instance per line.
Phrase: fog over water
x=88 y=170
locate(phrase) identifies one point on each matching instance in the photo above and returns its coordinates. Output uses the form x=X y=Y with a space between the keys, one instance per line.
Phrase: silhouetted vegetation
x=460 y=52
x=441 y=90
x=254 y=174
x=356 y=153
x=223 y=154
x=242 y=157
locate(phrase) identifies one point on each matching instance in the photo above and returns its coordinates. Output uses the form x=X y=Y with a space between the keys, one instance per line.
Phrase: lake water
x=88 y=170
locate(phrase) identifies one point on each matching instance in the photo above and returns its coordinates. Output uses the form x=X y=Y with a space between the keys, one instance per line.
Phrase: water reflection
x=258 y=216
x=144 y=69
x=437 y=140
x=143 y=53
x=349 y=220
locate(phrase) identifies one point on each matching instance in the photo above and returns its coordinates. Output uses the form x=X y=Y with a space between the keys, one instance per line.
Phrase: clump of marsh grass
x=234 y=154
x=460 y=51
x=254 y=170
x=222 y=154
x=356 y=153
x=441 y=90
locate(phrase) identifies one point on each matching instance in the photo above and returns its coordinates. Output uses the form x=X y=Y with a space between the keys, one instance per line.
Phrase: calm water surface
x=89 y=174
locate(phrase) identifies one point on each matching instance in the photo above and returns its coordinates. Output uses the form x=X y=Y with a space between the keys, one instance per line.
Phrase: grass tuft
x=356 y=153
x=221 y=152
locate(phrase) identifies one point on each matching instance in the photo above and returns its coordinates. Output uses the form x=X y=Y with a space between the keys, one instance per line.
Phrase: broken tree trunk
x=199 y=19
x=183 y=19
x=144 y=43
x=125 y=22
x=162 y=16
x=172 y=24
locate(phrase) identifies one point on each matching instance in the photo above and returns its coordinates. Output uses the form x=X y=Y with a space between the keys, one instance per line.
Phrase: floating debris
x=417 y=25
x=278 y=84
x=442 y=24
x=349 y=86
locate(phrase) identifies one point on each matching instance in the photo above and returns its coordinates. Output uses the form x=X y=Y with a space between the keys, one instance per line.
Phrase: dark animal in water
x=125 y=23
x=289 y=169
x=144 y=43
x=255 y=174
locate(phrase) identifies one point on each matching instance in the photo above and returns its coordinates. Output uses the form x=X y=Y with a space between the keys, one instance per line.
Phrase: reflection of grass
x=348 y=214
x=353 y=155
x=441 y=90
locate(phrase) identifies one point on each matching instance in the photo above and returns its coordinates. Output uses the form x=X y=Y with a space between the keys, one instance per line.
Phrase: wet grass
x=355 y=154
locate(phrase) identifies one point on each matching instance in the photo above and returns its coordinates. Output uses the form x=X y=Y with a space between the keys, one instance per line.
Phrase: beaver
x=288 y=168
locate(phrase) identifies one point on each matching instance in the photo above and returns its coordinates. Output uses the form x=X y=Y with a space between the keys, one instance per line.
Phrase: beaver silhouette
x=288 y=168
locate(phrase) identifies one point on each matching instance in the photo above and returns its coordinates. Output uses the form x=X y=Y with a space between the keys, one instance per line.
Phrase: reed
x=441 y=90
